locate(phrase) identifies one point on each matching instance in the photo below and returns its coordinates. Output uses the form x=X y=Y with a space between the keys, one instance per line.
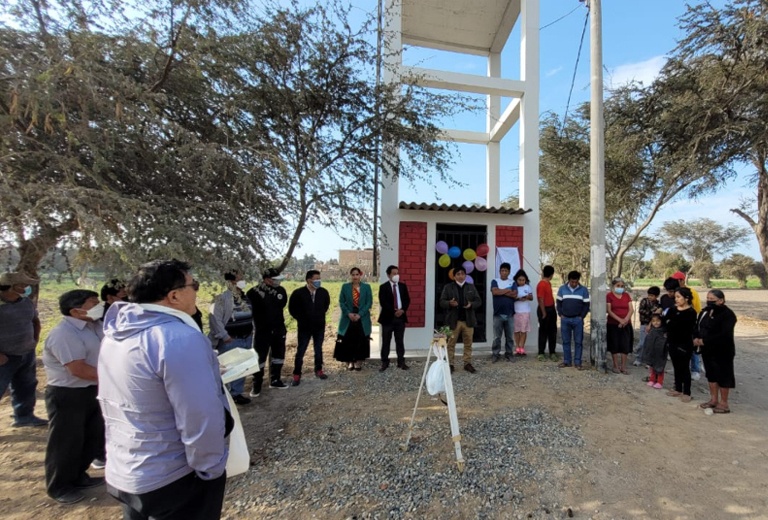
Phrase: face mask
x=619 y=290
x=27 y=291
x=396 y=278
x=96 y=312
x=240 y=285
x=317 y=283
x=711 y=305
x=276 y=283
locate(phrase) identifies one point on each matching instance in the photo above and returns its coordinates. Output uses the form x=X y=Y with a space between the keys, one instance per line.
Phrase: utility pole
x=376 y=166
x=597 y=188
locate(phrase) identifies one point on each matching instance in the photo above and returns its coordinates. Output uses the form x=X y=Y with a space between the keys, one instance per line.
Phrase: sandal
x=708 y=404
x=674 y=393
x=563 y=365
x=615 y=371
x=624 y=371
x=717 y=409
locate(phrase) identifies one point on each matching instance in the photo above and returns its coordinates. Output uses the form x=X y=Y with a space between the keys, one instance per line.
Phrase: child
x=647 y=307
x=522 y=310
x=655 y=352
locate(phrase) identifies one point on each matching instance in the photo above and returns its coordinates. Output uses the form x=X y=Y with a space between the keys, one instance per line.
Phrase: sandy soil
x=651 y=456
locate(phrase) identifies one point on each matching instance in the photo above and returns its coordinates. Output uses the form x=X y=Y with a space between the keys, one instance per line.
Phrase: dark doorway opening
x=464 y=237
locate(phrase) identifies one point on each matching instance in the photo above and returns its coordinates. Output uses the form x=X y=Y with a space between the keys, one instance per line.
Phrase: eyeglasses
x=195 y=286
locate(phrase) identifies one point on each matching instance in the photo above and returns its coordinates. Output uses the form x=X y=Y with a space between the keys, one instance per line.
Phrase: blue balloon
x=454 y=252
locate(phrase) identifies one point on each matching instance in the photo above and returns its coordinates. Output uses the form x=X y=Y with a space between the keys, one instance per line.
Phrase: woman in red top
x=619 y=325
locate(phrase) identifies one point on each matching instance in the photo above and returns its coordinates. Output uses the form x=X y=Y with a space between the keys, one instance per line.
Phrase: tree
x=740 y=267
x=117 y=137
x=309 y=89
x=699 y=241
x=716 y=81
x=665 y=263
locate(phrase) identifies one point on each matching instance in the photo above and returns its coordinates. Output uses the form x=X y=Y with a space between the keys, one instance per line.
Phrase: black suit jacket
x=388 y=304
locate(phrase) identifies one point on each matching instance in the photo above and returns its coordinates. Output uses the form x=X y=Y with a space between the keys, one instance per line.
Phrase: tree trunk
x=32 y=250
x=760 y=227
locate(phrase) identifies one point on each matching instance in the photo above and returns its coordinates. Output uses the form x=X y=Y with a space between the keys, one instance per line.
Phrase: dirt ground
x=650 y=456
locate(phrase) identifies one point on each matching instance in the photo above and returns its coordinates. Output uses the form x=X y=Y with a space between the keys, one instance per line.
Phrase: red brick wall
x=510 y=236
x=412 y=262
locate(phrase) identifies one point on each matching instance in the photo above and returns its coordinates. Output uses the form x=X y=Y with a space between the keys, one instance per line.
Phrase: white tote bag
x=239 y=459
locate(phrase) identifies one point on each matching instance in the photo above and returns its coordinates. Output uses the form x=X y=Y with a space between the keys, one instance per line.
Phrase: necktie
x=394 y=294
x=355 y=297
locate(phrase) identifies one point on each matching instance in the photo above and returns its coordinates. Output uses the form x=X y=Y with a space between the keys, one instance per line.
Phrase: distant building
x=362 y=258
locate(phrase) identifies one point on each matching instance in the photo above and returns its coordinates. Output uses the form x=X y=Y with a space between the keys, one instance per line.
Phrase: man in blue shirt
x=166 y=414
x=503 y=311
x=572 y=307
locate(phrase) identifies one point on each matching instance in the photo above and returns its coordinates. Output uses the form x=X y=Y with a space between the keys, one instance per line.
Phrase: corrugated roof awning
x=462 y=209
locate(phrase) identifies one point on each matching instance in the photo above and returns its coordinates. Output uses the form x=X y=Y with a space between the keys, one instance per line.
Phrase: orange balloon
x=450 y=274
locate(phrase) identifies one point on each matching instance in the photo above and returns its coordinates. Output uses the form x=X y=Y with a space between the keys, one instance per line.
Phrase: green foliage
x=740 y=267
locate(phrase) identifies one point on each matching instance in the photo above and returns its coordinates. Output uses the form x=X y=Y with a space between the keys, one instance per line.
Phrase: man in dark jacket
x=394 y=301
x=268 y=300
x=460 y=299
x=308 y=306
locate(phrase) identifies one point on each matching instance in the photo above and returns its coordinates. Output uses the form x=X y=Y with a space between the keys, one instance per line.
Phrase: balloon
x=469 y=254
x=441 y=247
x=470 y=280
x=481 y=264
x=468 y=266
x=444 y=261
x=454 y=252
x=450 y=274
x=483 y=249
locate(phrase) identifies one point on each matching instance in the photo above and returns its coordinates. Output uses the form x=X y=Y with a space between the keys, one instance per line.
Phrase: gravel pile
x=340 y=459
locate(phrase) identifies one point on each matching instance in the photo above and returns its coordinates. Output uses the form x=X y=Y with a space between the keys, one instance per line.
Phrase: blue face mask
x=619 y=290
x=27 y=292
x=317 y=283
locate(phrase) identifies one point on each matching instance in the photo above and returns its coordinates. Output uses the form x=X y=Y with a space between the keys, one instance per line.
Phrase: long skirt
x=619 y=339
x=354 y=345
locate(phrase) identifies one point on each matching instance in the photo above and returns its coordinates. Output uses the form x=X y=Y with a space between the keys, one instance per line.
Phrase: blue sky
x=636 y=38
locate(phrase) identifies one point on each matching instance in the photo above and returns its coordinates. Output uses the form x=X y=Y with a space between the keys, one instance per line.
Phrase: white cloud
x=552 y=72
x=642 y=71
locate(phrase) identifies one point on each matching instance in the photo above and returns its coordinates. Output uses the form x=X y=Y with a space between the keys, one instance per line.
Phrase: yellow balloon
x=444 y=260
x=469 y=254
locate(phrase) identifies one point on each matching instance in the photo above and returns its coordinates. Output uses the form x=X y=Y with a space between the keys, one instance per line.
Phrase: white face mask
x=396 y=278
x=240 y=285
x=96 y=312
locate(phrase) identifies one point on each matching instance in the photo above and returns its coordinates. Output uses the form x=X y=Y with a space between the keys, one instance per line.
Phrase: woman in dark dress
x=619 y=306
x=353 y=344
x=715 y=339
x=680 y=322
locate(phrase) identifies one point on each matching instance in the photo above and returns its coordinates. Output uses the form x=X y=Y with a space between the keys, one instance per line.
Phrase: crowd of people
x=133 y=384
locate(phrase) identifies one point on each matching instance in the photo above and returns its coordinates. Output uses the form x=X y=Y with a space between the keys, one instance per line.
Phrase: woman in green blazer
x=353 y=344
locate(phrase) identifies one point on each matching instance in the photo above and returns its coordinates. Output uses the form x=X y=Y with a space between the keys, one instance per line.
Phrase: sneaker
x=277 y=383
x=30 y=421
x=469 y=368
x=452 y=369
x=650 y=383
x=495 y=358
x=296 y=380
x=695 y=376
x=658 y=386
x=320 y=374
x=87 y=482
x=256 y=392
x=541 y=357
x=70 y=497
x=401 y=366
x=240 y=400
x=554 y=357
x=636 y=364
x=99 y=464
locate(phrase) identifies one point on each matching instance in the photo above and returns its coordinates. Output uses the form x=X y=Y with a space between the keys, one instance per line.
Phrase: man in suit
x=394 y=302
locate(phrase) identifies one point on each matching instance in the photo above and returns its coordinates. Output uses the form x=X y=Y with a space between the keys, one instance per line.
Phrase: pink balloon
x=468 y=266
x=470 y=280
x=441 y=247
x=481 y=264
x=482 y=249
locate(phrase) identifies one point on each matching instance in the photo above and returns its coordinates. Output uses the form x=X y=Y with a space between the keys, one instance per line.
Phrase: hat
x=17 y=279
x=272 y=273
x=679 y=275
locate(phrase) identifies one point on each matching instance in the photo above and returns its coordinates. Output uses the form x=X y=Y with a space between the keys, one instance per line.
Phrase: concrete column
x=493 y=150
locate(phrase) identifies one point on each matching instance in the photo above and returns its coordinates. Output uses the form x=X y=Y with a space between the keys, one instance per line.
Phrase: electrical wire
x=575 y=68
x=565 y=15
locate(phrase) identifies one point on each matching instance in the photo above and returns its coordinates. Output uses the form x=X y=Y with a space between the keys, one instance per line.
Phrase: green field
x=51 y=290
x=752 y=283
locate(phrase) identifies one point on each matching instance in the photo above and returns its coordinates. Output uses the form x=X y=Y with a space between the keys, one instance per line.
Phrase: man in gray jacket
x=460 y=299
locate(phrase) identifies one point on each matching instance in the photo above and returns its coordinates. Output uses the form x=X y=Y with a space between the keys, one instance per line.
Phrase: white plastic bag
x=436 y=377
x=239 y=459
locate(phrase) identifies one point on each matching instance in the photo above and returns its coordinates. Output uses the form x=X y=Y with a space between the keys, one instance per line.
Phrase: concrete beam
x=506 y=24
x=417 y=41
x=505 y=123
x=465 y=136
x=461 y=82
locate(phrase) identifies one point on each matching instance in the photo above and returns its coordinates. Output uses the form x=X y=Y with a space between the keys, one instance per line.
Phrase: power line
x=564 y=16
x=575 y=68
